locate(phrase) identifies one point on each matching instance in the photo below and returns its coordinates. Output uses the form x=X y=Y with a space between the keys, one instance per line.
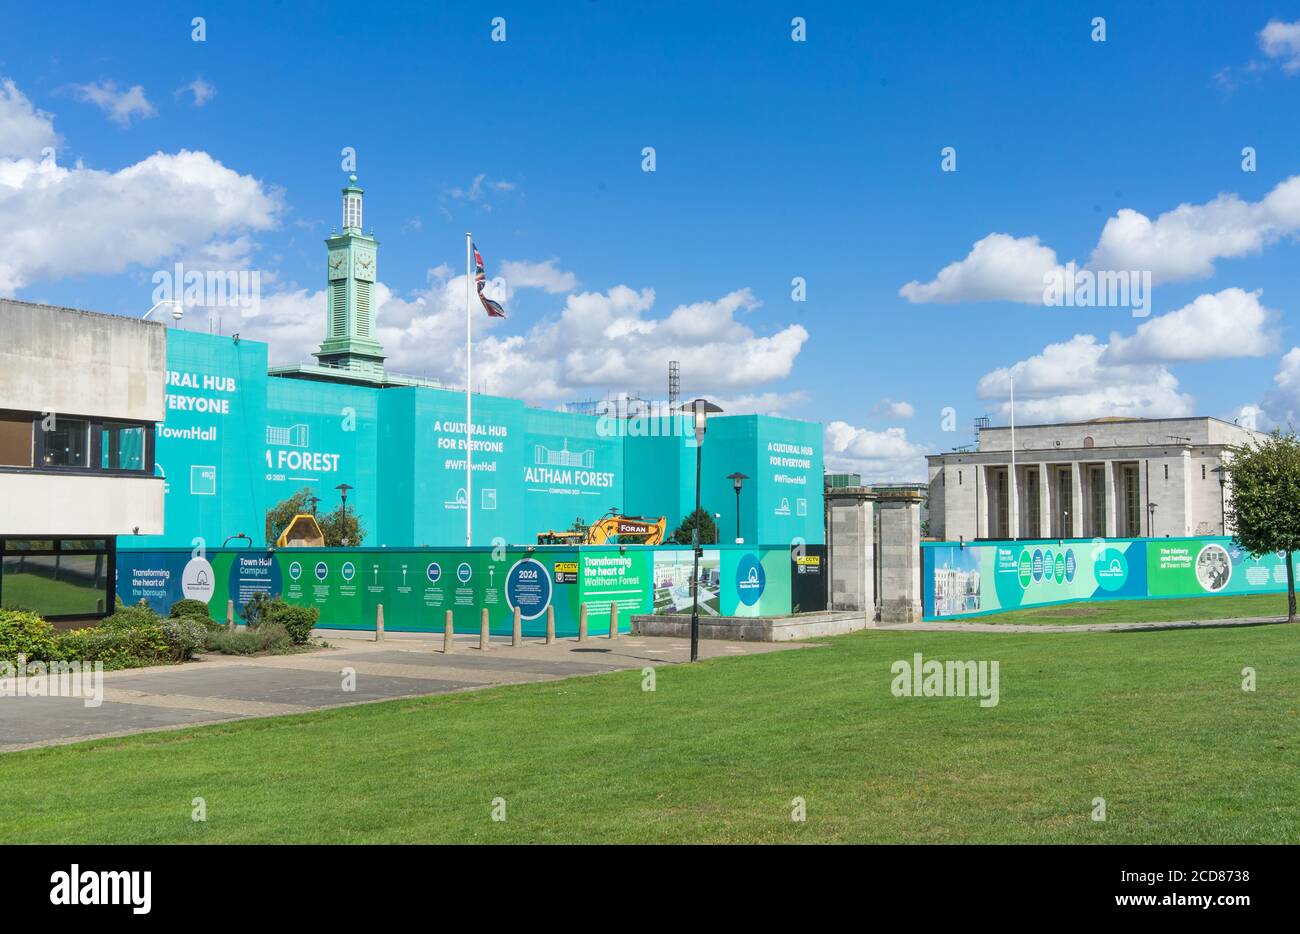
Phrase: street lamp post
x=699 y=410
x=343 y=493
x=1151 y=520
x=737 y=479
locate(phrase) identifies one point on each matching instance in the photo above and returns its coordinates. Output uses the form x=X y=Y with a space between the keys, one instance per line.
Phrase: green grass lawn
x=1141 y=611
x=1155 y=722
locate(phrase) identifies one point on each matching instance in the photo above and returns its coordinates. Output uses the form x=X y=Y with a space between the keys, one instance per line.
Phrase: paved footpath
x=221 y=688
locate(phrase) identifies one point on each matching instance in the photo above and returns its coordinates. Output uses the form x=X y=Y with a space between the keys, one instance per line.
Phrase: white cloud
x=24 y=130
x=1070 y=381
x=879 y=456
x=1179 y=245
x=1230 y=323
x=1282 y=402
x=598 y=340
x=1279 y=40
x=68 y=221
x=891 y=409
x=120 y=106
x=1184 y=243
x=200 y=90
x=998 y=268
x=545 y=276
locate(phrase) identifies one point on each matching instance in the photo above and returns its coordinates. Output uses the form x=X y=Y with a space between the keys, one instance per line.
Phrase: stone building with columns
x=1105 y=478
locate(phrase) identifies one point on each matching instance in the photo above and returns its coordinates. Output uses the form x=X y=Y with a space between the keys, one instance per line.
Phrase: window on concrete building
x=1097 y=501
x=1064 y=501
x=15 y=442
x=1166 y=471
x=57 y=577
x=1087 y=442
x=1000 y=522
x=121 y=446
x=1033 y=504
x=959 y=478
x=1202 y=471
x=66 y=443
x=1132 y=500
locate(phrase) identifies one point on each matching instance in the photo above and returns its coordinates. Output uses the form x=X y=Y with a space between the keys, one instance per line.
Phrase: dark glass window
x=15 y=442
x=57 y=577
x=67 y=443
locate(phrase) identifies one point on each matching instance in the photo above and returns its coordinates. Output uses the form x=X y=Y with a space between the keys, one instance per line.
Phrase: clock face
x=338 y=264
x=365 y=266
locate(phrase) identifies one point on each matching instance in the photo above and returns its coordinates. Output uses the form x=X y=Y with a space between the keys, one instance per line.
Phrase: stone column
x=1044 y=502
x=982 y=507
x=1112 y=526
x=1076 y=504
x=900 y=558
x=849 y=544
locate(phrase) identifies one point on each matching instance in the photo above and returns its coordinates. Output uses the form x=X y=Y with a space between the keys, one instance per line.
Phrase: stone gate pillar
x=900 y=557
x=850 y=519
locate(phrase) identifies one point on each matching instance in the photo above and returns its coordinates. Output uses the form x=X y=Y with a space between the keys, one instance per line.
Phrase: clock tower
x=350 y=334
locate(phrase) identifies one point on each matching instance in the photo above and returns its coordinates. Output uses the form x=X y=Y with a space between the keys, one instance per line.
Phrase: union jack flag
x=494 y=309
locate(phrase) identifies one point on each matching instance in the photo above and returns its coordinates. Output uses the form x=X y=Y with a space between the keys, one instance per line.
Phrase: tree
x=702 y=519
x=281 y=514
x=1264 y=503
x=342 y=528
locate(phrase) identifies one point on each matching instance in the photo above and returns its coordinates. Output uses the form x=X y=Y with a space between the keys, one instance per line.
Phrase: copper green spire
x=351 y=274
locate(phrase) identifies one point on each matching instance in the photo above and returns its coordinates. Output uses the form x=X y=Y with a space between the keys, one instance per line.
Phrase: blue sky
x=774 y=159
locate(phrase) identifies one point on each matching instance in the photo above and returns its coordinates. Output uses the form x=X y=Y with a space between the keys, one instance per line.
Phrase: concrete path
x=221 y=688
x=1080 y=627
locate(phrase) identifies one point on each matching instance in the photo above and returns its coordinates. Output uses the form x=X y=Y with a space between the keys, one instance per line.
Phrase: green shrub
x=126 y=647
x=24 y=633
x=268 y=637
x=297 y=620
x=255 y=608
x=189 y=607
x=132 y=617
x=183 y=636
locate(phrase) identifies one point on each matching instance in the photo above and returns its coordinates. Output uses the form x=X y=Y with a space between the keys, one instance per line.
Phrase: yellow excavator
x=612 y=529
x=303 y=532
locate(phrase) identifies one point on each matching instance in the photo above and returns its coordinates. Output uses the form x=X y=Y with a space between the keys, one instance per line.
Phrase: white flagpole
x=1013 y=509
x=469 y=378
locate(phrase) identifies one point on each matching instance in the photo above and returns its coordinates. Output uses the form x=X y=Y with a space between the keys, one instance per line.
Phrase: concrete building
x=80 y=394
x=1106 y=478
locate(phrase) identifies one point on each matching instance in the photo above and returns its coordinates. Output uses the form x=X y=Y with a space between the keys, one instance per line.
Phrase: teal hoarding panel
x=318 y=436
x=210 y=446
x=569 y=471
x=236 y=443
x=996 y=577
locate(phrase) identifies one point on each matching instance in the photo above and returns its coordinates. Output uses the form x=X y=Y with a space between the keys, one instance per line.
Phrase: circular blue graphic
x=751 y=579
x=1038 y=564
x=464 y=572
x=528 y=586
x=349 y=571
x=322 y=571
x=433 y=572
x=295 y=570
x=1069 y=565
